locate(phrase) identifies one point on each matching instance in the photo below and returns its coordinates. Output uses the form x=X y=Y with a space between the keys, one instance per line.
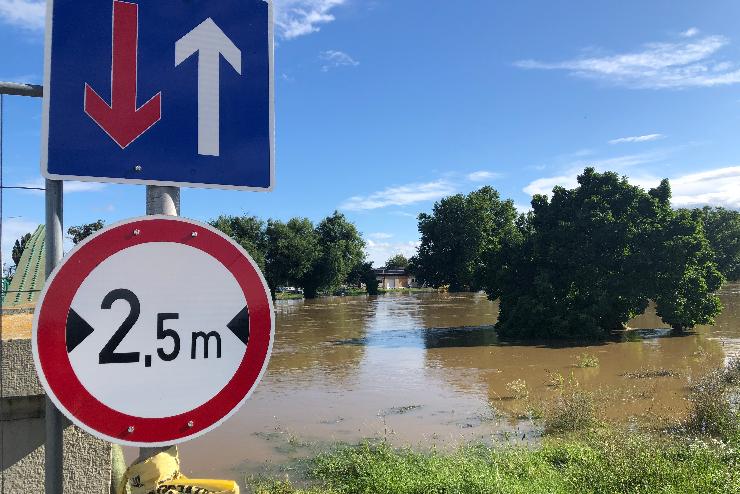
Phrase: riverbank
x=579 y=453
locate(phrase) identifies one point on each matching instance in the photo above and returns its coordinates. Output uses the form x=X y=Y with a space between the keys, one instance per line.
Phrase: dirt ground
x=16 y=326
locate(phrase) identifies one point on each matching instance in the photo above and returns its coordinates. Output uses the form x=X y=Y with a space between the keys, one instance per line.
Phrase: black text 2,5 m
x=170 y=338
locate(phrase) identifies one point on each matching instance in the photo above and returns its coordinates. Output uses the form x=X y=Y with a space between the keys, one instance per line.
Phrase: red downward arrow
x=121 y=120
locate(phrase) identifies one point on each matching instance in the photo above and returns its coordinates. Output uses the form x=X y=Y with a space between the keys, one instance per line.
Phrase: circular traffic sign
x=153 y=331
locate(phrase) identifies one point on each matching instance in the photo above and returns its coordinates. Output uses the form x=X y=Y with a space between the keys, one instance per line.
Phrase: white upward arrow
x=208 y=39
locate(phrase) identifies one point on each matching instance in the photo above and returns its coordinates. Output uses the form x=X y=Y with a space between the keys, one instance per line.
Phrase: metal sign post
x=53 y=448
x=54 y=421
x=160 y=200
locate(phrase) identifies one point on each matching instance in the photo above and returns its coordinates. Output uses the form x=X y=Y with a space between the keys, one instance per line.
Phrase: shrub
x=574 y=409
x=518 y=389
x=587 y=360
x=711 y=411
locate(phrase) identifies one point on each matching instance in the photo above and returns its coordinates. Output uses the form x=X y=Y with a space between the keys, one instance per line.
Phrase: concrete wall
x=22 y=406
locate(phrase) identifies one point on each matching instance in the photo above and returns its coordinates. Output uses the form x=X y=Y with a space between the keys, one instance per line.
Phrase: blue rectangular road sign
x=161 y=92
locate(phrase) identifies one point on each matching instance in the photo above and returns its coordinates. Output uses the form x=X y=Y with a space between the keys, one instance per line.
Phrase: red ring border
x=49 y=333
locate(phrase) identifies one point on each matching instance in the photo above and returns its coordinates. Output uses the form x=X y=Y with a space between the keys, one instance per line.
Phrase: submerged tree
x=459 y=235
x=297 y=253
x=722 y=229
x=81 y=232
x=364 y=274
x=590 y=258
x=687 y=276
x=292 y=249
x=340 y=249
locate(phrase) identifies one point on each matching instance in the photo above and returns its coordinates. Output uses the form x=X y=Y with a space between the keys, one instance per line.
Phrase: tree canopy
x=292 y=249
x=458 y=236
x=722 y=229
x=315 y=258
x=588 y=259
x=247 y=231
x=18 y=248
x=81 y=232
x=399 y=261
x=341 y=248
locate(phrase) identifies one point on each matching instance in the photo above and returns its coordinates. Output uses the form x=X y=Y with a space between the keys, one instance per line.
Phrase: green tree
x=341 y=248
x=19 y=247
x=687 y=276
x=364 y=274
x=81 y=232
x=399 y=261
x=584 y=262
x=247 y=231
x=458 y=237
x=292 y=250
x=722 y=229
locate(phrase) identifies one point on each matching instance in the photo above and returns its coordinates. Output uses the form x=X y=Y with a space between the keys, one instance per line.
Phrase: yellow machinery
x=160 y=474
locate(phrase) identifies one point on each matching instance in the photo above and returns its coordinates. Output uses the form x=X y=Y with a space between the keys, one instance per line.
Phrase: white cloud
x=545 y=185
x=22 y=78
x=690 y=32
x=334 y=58
x=380 y=236
x=380 y=252
x=28 y=14
x=405 y=214
x=482 y=176
x=645 y=138
x=688 y=63
x=13 y=229
x=400 y=195
x=716 y=187
x=296 y=18
x=618 y=164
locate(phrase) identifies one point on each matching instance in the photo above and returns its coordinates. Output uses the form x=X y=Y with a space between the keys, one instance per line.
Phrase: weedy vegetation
x=587 y=361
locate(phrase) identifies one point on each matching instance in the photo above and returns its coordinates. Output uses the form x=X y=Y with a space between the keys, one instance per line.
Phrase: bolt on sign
x=153 y=331
x=165 y=92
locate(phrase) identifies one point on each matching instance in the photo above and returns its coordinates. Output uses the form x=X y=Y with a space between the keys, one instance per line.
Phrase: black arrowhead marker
x=77 y=330
x=240 y=325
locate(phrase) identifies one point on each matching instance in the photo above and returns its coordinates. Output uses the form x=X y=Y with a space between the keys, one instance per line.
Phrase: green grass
x=289 y=296
x=598 y=462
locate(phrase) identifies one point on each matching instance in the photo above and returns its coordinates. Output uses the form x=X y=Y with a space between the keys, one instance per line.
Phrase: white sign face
x=191 y=366
x=153 y=331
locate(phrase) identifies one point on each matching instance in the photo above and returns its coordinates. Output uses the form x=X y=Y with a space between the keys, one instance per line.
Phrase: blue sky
x=383 y=107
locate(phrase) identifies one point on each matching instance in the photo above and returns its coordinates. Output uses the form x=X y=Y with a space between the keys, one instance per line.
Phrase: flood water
x=427 y=369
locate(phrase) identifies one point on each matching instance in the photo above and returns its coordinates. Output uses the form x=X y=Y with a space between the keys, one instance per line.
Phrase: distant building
x=392 y=279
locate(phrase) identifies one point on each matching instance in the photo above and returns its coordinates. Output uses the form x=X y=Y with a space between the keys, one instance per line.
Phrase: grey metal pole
x=160 y=200
x=54 y=422
x=21 y=89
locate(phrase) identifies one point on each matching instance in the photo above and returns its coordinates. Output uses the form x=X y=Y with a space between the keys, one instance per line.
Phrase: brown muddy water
x=426 y=369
